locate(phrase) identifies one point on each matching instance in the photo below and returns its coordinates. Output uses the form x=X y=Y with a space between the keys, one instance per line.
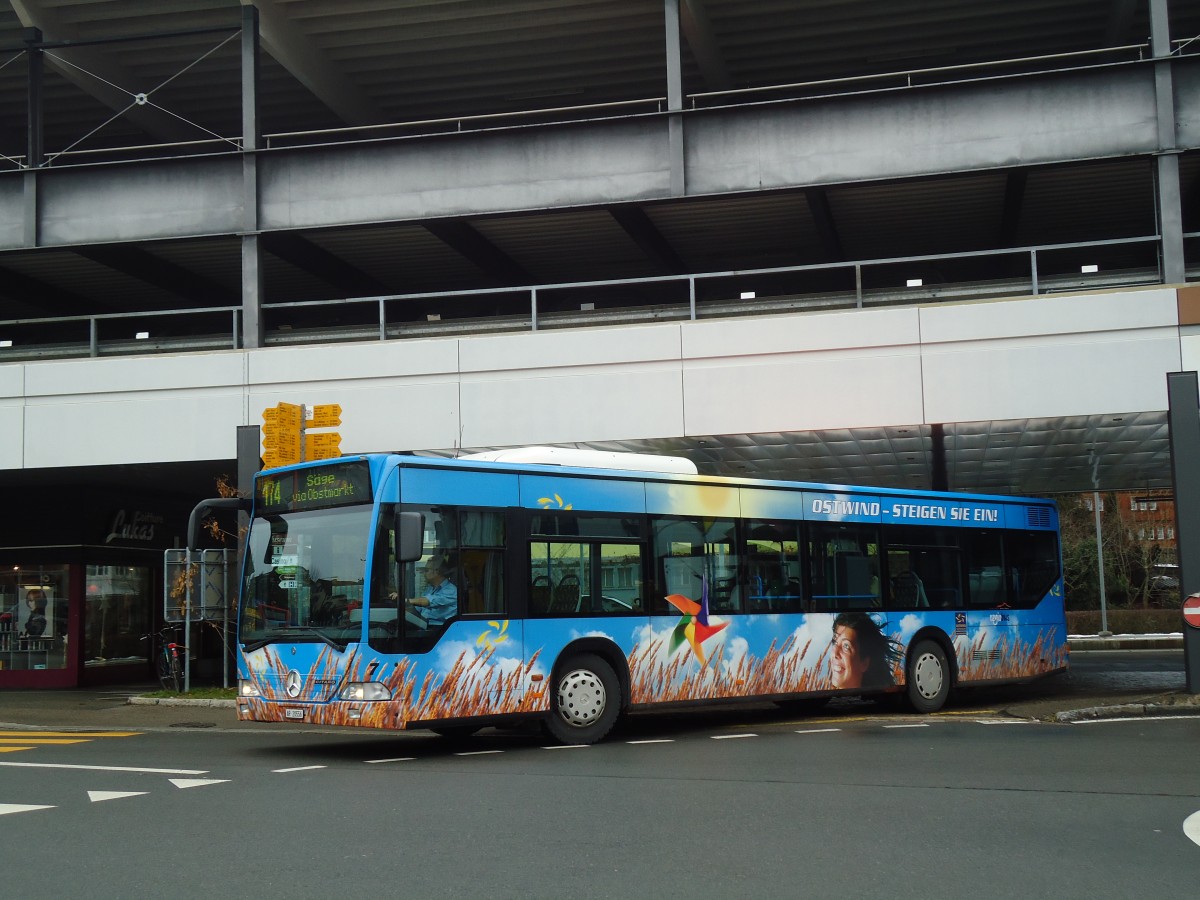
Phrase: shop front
x=76 y=616
x=78 y=598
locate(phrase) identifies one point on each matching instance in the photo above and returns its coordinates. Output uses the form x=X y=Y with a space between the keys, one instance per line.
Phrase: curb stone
x=180 y=701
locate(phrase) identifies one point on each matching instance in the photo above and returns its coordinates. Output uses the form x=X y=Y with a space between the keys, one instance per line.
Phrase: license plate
x=293 y=714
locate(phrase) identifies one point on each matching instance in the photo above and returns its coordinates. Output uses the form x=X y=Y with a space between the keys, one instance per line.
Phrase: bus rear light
x=248 y=689
x=366 y=691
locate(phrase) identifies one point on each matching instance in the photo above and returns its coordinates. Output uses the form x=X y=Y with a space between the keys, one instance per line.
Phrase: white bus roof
x=588 y=459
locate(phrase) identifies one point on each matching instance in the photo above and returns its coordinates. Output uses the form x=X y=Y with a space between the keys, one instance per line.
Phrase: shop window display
x=117 y=614
x=33 y=617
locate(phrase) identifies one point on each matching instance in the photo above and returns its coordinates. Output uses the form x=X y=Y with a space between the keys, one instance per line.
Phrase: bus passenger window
x=693 y=556
x=843 y=567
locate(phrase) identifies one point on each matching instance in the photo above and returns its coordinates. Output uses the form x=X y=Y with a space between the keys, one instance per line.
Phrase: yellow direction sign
x=325 y=415
x=273 y=458
x=284 y=414
x=281 y=440
x=323 y=446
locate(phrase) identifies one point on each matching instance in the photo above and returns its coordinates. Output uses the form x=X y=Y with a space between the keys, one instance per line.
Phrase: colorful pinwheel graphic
x=694 y=627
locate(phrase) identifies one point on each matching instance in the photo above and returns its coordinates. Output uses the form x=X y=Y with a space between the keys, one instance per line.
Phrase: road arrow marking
x=99 y=796
x=6 y=808
x=183 y=783
x=1191 y=827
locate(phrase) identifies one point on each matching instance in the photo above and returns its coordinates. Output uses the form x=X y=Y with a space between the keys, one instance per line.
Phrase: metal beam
x=674 y=60
x=477 y=249
x=649 y=239
x=308 y=64
x=1170 y=208
x=174 y=279
x=1184 y=416
x=320 y=263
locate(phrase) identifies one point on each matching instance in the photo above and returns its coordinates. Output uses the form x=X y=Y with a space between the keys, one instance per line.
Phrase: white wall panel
x=1058 y=314
x=804 y=331
x=386 y=414
x=175 y=372
x=1189 y=349
x=611 y=405
x=12 y=381
x=566 y=348
x=12 y=434
x=1049 y=376
x=292 y=366
x=152 y=427
x=807 y=391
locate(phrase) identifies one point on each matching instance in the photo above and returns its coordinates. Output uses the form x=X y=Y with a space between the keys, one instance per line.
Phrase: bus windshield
x=303 y=577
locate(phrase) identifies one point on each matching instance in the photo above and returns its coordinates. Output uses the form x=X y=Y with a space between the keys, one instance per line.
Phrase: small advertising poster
x=36 y=612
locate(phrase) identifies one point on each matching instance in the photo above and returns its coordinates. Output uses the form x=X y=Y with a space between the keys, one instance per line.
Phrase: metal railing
x=858 y=284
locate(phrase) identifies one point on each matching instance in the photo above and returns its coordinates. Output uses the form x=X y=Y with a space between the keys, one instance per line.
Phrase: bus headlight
x=365 y=691
x=248 y=689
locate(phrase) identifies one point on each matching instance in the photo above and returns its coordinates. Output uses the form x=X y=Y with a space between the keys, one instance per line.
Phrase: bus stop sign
x=1191 y=610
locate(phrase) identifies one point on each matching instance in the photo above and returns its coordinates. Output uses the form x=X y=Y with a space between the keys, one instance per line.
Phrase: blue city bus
x=395 y=591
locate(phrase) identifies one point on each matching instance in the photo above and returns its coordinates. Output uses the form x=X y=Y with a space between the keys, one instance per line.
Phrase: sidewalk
x=1125 y=642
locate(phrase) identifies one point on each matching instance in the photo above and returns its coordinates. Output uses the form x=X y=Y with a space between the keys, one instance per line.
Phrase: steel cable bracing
x=140 y=98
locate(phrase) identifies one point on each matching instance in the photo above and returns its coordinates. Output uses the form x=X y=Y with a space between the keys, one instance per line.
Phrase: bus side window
x=481 y=563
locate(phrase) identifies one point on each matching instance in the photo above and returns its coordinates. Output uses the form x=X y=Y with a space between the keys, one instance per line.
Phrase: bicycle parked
x=168 y=660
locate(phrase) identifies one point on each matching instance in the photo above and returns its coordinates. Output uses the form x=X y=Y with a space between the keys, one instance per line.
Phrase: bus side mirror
x=409 y=529
x=241 y=504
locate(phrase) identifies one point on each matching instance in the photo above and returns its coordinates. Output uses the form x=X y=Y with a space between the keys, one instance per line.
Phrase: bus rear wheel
x=586 y=700
x=927 y=677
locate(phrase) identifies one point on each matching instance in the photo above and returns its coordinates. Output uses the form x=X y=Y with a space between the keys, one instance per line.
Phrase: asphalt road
x=862 y=807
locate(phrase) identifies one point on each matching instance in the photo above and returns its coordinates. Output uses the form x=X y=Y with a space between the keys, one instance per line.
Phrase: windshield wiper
x=293 y=631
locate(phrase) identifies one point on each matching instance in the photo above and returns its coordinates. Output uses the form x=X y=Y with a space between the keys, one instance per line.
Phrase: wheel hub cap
x=581 y=698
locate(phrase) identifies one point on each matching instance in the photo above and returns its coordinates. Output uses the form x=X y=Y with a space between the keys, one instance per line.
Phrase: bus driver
x=440 y=600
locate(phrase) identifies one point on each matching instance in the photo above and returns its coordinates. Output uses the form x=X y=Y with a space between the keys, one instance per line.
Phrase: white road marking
x=146 y=771
x=1105 y=721
x=653 y=741
x=297 y=769
x=1191 y=827
x=1006 y=722
x=729 y=737
x=6 y=808
x=185 y=783
x=477 y=752
x=393 y=759
x=555 y=747
x=818 y=731
x=909 y=725
x=100 y=796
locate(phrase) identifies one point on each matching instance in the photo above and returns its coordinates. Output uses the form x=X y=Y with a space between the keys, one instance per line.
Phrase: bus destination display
x=315 y=488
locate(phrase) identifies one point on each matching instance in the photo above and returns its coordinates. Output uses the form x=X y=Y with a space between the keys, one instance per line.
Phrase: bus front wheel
x=928 y=677
x=586 y=700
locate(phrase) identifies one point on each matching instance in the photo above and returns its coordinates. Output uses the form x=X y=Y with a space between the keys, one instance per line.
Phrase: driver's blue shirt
x=443 y=603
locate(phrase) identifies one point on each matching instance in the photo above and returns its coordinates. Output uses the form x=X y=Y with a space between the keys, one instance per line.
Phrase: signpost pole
x=1183 y=401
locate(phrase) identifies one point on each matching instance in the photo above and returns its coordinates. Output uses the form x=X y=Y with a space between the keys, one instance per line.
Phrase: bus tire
x=585 y=702
x=927 y=677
